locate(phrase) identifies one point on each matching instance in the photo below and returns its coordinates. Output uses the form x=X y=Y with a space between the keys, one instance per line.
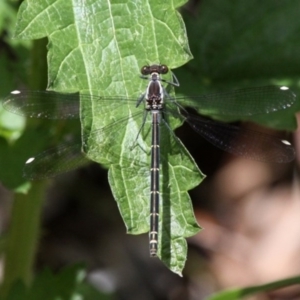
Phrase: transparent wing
x=243 y=142
x=69 y=156
x=54 y=161
x=53 y=105
x=242 y=102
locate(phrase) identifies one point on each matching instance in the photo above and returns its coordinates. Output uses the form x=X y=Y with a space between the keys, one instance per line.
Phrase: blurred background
x=249 y=210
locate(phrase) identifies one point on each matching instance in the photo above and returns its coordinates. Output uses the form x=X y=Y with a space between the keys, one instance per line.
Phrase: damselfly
x=159 y=104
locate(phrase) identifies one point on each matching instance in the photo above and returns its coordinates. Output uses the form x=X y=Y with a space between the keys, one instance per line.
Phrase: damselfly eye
x=164 y=69
x=145 y=70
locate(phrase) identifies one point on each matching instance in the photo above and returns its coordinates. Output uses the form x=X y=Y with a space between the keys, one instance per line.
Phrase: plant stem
x=23 y=235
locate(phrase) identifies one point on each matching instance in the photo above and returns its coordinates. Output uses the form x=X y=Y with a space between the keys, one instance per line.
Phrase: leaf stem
x=22 y=238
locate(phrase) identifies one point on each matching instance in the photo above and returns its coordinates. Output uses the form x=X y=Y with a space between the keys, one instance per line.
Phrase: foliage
x=239 y=293
x=67 y=284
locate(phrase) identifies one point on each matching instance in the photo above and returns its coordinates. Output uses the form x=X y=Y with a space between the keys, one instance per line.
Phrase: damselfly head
x=160 y=69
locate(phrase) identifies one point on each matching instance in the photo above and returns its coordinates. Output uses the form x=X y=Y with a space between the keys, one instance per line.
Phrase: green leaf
x=14 y=154
x=244 y=44
x=13 y=53
x=99 y=48
x=67 y=284
x=11 y=126
x=243 y=48
x=236 y=294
